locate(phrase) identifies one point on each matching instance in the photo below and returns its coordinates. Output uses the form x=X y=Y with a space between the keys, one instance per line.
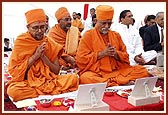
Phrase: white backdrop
x=14 y=22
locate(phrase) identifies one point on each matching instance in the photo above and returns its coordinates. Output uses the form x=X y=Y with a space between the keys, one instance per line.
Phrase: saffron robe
x=106 y=69
x=61 y=37
x=39 y=79
x=77 y=23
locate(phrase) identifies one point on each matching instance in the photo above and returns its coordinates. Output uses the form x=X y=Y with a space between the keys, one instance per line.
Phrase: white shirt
x=133 y=42
x=159 y=29
x=88 y=23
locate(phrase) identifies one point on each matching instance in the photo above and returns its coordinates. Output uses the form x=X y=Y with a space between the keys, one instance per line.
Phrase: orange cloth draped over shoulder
x=106 y=69
x=77 y=23
x=68 y=40
x=39 y=79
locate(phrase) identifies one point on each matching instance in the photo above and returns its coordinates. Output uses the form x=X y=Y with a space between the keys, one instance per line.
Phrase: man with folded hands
x=102 y=55
x=34 y=64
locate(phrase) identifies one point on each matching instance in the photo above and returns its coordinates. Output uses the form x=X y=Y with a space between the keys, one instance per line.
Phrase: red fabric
x=86 y=6
x=160 y=82
x=118 y=103
x=6 y=77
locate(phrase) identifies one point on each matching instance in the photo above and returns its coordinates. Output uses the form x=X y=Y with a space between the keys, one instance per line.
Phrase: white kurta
x=88 y=23
x=133 y=42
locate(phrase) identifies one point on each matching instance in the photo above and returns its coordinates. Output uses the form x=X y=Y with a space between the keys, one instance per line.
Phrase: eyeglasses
x=67 y=19
x=36 y=28
x=105 y=22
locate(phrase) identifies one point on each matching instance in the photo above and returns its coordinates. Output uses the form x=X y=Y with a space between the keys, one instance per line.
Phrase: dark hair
x=145 y=19
x=47 y=17
x=94 y=16
x=6 y=39
x=74 y=13
x=151 y=17
x=93 y=9
x=79 y=14
x=123 y=14
x=133 y=20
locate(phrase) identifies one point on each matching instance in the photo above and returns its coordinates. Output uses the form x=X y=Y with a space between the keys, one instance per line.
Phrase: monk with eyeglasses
x=102 y=55
x=66 y=35
x=34 y=64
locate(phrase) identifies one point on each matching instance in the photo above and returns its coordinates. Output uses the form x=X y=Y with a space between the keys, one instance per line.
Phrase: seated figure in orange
x=102 y=55
x=34 y=64
x=66 y=35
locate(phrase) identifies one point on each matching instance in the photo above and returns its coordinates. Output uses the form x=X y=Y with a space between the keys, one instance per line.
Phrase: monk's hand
x=72 y=60
x=139 y=59
x=40 y=50
x=110 y=50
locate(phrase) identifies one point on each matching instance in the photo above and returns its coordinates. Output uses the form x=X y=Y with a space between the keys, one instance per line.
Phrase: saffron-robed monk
x=34 y=64
x=102 y=56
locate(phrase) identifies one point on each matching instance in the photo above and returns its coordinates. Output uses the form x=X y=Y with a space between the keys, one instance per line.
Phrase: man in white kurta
x=133 y=41
x=88 y=23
